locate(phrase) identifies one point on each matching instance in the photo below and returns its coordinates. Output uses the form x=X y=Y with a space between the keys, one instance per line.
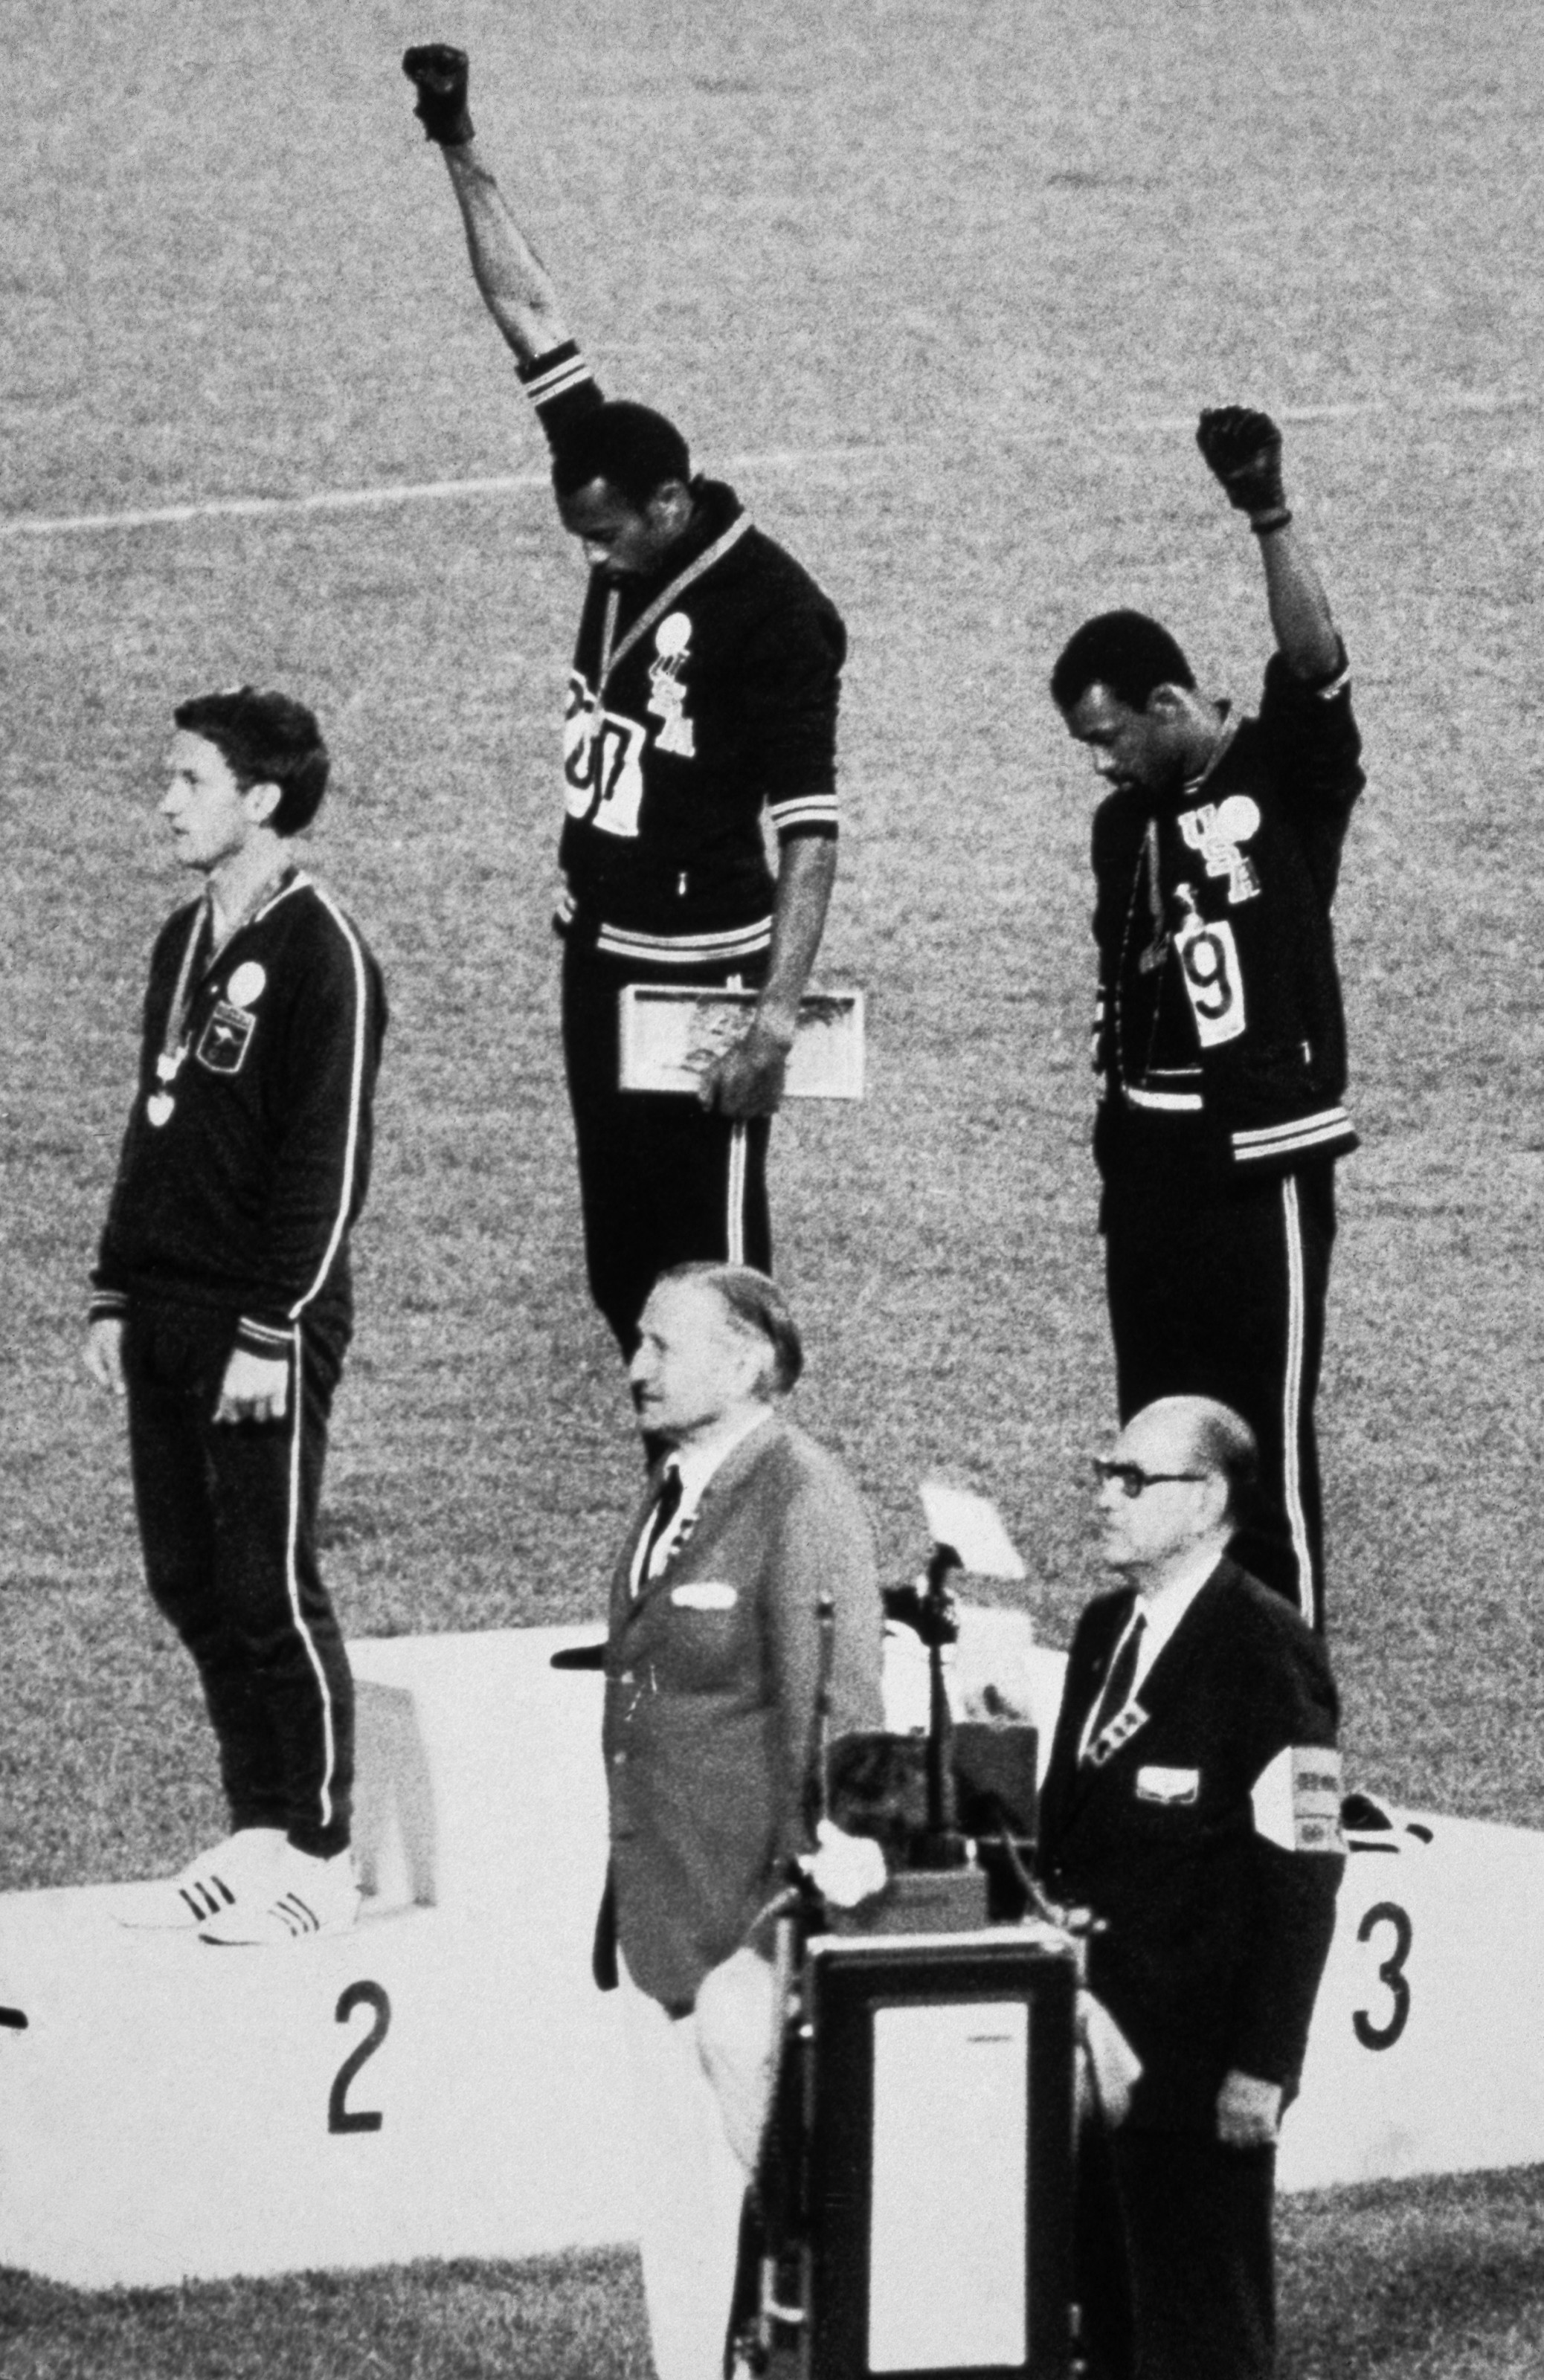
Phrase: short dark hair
x=1123 y=650
x=754 y=1303
x=267 y=739
x=1226 y=1444
x=634 y=450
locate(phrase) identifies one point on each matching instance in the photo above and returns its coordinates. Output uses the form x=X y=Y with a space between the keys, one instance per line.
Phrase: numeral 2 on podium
x=341 y=2116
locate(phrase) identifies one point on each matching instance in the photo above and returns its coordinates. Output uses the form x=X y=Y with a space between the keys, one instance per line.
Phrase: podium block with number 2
x=444 y=2079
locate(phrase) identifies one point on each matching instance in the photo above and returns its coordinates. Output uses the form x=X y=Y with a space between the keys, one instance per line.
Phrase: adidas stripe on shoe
x=305 y=1897
x=209 y=1886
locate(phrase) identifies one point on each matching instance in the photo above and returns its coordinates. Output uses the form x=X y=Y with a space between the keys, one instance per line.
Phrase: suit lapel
x=1162 y=1682
x=1080 y=1775
x=621 y=1600
x=1116 y=1732
x=1184 y=1647
x=720 y=1490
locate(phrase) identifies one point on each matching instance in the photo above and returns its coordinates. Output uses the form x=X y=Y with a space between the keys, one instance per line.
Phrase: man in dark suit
x=1192 y=1803
x=745 y=1623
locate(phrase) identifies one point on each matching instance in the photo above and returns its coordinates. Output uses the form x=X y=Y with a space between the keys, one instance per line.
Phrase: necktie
x=1117 y=1685
x=667 y=1503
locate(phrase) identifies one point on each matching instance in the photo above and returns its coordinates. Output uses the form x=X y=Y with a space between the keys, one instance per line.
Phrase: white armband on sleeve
x=1296 y=1800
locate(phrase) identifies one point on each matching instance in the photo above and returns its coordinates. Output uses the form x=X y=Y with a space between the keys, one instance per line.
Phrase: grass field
x=1435 y=2281
x=941 y=284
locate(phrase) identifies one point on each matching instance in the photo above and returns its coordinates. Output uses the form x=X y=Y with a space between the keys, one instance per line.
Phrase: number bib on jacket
x=1208 y=955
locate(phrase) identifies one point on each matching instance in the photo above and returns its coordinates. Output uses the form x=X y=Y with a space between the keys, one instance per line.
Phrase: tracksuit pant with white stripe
x=1217 y=1290
x=662 y=1179
x=227 y=1524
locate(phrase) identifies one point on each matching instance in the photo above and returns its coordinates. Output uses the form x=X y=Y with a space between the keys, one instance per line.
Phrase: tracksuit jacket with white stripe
x=242 y=1199
x=1267 y=1093
x=725 y=705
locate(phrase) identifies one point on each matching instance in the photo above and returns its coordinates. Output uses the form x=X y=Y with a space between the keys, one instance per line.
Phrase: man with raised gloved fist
x=1219 y=1040
x=704 y=693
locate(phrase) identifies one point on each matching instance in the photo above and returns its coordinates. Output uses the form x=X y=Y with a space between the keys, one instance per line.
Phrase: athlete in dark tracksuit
x=1220 y=1038
x=244 y=1166
x=719 y=701
x=703 y=699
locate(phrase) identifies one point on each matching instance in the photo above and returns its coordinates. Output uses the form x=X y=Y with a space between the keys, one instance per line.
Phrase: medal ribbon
x=611 y=659
x=174 y=1043
x=171 y=1043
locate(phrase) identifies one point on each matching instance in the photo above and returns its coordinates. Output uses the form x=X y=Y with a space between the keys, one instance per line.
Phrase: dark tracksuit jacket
x=242 y=1200
x=1219 y=1026
x=244 y=1168
x=1220 y=1046
x=719 y=702
x=700 y=702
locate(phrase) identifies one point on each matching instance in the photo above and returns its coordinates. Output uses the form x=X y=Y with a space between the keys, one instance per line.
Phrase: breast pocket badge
x=225 y=1040
x=1176 y=1788
x=704 y=1595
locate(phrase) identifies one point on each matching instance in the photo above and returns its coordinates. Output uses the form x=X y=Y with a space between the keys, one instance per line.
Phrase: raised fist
x=440 y=72
x=1244 y=451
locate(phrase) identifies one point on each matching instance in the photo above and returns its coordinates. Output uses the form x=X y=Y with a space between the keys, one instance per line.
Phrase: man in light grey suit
x=745 y=1621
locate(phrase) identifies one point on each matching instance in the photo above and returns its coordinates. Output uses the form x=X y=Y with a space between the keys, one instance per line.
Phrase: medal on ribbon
x=159 y=1105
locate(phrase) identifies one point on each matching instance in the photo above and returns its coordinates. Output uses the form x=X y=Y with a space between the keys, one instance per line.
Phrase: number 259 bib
x=1208 y=955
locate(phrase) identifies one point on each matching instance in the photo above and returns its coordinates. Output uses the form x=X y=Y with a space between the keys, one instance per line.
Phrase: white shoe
x=301 y=1896
x=209 y=1886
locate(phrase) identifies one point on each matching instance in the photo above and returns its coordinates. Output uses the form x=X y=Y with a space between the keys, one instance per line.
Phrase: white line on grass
x=411 y=492
x=325 y=500
x=337 y=500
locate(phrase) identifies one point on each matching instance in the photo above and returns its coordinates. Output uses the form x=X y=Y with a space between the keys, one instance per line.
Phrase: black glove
x=1244 y=451
x=441 y=74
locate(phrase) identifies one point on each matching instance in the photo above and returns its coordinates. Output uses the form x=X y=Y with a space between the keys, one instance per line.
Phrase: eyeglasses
x=1133 y=1480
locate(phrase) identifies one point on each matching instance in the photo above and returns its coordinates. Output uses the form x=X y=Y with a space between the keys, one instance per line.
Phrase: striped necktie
x=667 y=1503
x=1117 y=1686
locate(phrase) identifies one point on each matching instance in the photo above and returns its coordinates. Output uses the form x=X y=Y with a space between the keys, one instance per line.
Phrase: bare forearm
x=1300 y=612
x=748 y=1079
x=807 y=872
x=516 y=288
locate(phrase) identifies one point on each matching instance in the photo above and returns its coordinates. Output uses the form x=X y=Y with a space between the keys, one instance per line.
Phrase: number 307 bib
x=1209 y=961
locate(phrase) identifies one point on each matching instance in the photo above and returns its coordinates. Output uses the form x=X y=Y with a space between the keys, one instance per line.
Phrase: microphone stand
x=931 y=1611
